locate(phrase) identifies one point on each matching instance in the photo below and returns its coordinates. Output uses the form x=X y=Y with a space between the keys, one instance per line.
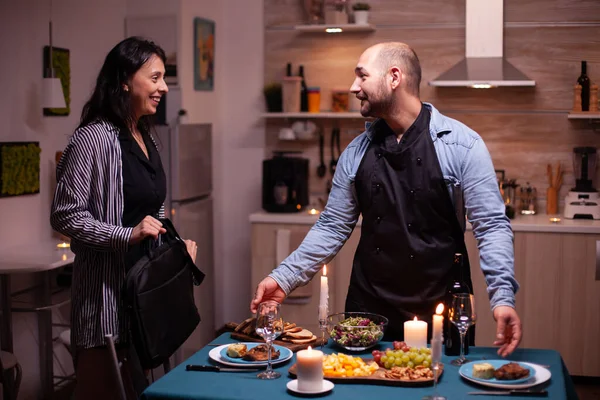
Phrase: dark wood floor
x=587 y=388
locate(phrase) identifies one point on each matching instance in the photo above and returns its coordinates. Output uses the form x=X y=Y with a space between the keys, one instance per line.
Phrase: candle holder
x=323 y=329
x=436 y=372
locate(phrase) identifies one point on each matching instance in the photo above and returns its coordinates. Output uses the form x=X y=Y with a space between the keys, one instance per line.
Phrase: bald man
x=413 y=175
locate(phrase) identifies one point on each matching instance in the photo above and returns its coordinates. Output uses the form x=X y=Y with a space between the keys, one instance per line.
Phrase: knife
x=215 y=368
x=514 y=392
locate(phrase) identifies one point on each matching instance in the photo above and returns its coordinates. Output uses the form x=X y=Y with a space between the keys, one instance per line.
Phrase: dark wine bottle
x=303 y=91
x=458 y=285
x=288 y=70
x=584 y=81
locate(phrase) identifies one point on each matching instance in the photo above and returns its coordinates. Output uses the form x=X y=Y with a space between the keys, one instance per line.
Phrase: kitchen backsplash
x=524 y=128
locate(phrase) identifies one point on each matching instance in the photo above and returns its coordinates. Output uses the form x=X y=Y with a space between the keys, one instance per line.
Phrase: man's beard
x=376 y=106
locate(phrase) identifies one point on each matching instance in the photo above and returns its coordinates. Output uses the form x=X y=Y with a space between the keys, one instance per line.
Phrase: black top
x=144 y=185
x=144 y=180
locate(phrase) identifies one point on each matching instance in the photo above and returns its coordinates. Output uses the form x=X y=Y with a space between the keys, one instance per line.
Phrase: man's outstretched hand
x=267 y=289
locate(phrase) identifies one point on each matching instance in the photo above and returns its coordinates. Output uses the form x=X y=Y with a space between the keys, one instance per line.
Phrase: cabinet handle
x=598 y=260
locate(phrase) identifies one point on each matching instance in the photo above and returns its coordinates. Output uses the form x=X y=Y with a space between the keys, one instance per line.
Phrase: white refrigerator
x=186 y=155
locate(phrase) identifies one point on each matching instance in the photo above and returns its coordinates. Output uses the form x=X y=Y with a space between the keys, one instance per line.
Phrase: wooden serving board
x=242 y=337
x=377 y=378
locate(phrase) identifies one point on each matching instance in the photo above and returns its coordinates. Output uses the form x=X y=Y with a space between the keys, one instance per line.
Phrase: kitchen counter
x=522 y=223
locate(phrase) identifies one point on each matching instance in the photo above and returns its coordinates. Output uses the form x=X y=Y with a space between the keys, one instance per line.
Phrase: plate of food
x=504 y=374
x=249 y=354
x=344 y=368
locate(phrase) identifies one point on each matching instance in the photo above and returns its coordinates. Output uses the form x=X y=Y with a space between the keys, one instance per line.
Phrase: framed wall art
x=204 y=54
x=19 y=168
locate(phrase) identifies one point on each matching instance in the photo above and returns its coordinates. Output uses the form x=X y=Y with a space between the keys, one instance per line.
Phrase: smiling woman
x=109 y=198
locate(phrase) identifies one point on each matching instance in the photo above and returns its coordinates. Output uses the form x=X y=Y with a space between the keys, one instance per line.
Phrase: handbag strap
x=172 y=235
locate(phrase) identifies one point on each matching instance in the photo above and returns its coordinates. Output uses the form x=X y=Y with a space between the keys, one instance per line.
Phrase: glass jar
x=339 y=100
x=314 y=99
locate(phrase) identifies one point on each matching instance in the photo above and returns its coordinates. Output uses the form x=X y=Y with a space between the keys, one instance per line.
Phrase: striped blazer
x=88 y=208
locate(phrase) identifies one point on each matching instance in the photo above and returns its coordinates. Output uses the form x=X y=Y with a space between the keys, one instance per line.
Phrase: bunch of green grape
x=402 y=356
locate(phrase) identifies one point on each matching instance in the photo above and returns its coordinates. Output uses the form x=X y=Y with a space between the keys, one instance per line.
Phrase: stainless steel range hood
x=484 y=65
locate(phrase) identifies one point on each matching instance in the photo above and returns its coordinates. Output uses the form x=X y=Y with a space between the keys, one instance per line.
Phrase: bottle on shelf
x=303 y=91
x=584 y=81
x=288 y=70
x=451 y=335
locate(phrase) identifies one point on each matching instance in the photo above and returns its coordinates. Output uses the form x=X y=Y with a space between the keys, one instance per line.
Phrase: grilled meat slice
x=511 y=371
x=260 y=353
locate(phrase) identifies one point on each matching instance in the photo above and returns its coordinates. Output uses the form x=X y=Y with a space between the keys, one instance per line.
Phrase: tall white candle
x=415 y=333
x=438 y=323
x=324 y=298
x=310 y=370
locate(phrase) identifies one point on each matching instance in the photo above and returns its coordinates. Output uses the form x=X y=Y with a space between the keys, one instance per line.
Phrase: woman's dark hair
x=109 y=100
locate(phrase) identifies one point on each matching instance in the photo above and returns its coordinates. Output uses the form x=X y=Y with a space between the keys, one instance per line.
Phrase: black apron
x=403 y=264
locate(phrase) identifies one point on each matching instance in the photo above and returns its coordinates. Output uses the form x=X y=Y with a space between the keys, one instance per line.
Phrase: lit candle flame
x=415 y=319
x=309 y=349
x=325 y=270
x=64 y=257
x=439 y=309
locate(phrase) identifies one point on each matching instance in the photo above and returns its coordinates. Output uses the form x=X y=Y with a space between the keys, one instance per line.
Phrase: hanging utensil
x=322 y=168
x=335 y=144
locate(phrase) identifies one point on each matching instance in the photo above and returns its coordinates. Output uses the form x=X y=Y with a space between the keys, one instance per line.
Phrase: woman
x=110 y=192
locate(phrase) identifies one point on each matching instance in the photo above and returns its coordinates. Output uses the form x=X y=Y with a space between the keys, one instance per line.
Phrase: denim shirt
x=469 y=175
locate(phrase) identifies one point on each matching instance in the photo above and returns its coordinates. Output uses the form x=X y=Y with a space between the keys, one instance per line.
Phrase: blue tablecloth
x=182 y=384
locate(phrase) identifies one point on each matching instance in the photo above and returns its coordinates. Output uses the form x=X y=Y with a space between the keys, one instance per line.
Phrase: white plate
x=541 y=375
x=215 y=354
x=293 y=386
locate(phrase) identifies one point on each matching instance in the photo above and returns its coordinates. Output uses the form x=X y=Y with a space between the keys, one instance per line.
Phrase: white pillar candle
x=438 y=323
x=324 y=298
x=415 y=333
x=310 y=370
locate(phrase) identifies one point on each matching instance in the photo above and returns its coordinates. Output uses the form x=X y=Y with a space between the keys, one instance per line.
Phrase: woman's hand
x=149 y=227
x=192 y=248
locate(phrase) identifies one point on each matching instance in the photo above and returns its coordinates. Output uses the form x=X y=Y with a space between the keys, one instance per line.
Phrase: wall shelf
x=321 y=115
x=335 y=28
x=584 y=115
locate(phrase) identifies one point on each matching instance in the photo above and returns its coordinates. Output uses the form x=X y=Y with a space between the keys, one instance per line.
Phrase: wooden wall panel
x=524 y=128
x=281 y=13
x=551 y=11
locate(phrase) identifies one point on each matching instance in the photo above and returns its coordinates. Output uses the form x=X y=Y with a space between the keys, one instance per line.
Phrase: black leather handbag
x=159 y=290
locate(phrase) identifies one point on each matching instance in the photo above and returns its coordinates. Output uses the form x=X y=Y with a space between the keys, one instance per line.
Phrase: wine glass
x=269 y=325
x=462 y=315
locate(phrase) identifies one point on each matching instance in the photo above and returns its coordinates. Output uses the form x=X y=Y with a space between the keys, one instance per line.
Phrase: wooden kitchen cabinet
x=558 y=297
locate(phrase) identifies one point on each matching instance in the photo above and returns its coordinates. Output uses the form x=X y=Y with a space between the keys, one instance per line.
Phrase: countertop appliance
x=186 y=154
x=583 y=201
x=285 y=183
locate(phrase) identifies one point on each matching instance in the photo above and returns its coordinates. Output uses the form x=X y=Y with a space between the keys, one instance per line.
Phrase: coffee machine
x=285 y=183
x=583 y=201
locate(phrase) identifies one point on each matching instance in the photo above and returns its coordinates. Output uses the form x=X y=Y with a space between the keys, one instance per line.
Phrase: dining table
x=182 y=384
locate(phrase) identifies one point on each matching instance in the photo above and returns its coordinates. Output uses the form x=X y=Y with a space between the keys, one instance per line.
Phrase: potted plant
x=273 y=97
x=361 y=13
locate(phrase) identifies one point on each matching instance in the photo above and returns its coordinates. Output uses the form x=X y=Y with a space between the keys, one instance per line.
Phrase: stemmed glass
x=462 y=315
x=269 y=325
x=436 y=365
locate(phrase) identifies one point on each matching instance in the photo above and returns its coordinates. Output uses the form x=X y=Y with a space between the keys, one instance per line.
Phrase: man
x=412 y=175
